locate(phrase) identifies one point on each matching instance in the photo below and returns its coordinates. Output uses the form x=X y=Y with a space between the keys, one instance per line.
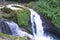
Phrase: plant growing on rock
x=10 y=37
x=8 y=13
x=21 y=17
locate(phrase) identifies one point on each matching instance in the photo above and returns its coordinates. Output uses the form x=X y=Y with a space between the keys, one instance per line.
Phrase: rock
x=6 y=32
x=6 y=10
x=23 y=18
x=19 y=14
x=50 y=27
x=10 y=37
x=4 y=27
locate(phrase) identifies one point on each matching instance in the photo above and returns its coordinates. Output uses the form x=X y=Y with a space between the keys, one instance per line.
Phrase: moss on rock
x=7 y=16
x=10 y=37
x=22 y=17
x=7 y=13
x=6 y=10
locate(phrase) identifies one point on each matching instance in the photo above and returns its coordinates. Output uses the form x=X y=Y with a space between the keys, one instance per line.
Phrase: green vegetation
x=32 y=5
x=50 y=9
x=23 y=18
x=10 y=37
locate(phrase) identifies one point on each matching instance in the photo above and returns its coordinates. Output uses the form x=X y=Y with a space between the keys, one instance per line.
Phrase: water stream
x=17 y=31
x=37 y=28
x=38 y=31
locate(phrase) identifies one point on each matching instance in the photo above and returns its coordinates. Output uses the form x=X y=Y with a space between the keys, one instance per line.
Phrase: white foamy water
x=37 y=27
x=17 y=31
x=38 y=32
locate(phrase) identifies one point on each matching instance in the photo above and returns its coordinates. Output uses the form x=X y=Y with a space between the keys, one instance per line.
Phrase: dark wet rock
x=49 y=27
x=4 y=28
x=4 y=31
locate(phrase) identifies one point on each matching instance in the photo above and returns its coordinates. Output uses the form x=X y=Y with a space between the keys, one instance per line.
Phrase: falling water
x=37 y=27
x=38 y=32
x=17 y=31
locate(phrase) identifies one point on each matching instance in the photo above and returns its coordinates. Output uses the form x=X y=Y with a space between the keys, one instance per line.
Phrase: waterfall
x=37 y=27
x=17 y=31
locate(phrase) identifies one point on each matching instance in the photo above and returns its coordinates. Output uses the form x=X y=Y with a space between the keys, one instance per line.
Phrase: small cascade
x=16 y=31
x=4 y=27
x=37 y=27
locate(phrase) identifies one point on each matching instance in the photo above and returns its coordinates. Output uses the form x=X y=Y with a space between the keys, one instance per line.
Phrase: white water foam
x=17 y=31
x=35 y=20
x=39 y=35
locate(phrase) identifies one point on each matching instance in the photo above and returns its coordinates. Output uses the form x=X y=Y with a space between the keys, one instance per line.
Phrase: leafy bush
x=50 y=9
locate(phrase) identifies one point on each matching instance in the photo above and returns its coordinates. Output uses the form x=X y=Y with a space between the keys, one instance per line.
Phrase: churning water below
x=37 y=27
x=38 y=31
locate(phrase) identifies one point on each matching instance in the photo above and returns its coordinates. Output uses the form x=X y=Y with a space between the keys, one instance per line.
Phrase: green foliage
x=50 y=9
x=30 y=5
x=10 y=37
x=23 y=17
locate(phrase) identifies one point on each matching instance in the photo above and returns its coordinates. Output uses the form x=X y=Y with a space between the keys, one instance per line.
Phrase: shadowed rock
x=4 y=27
